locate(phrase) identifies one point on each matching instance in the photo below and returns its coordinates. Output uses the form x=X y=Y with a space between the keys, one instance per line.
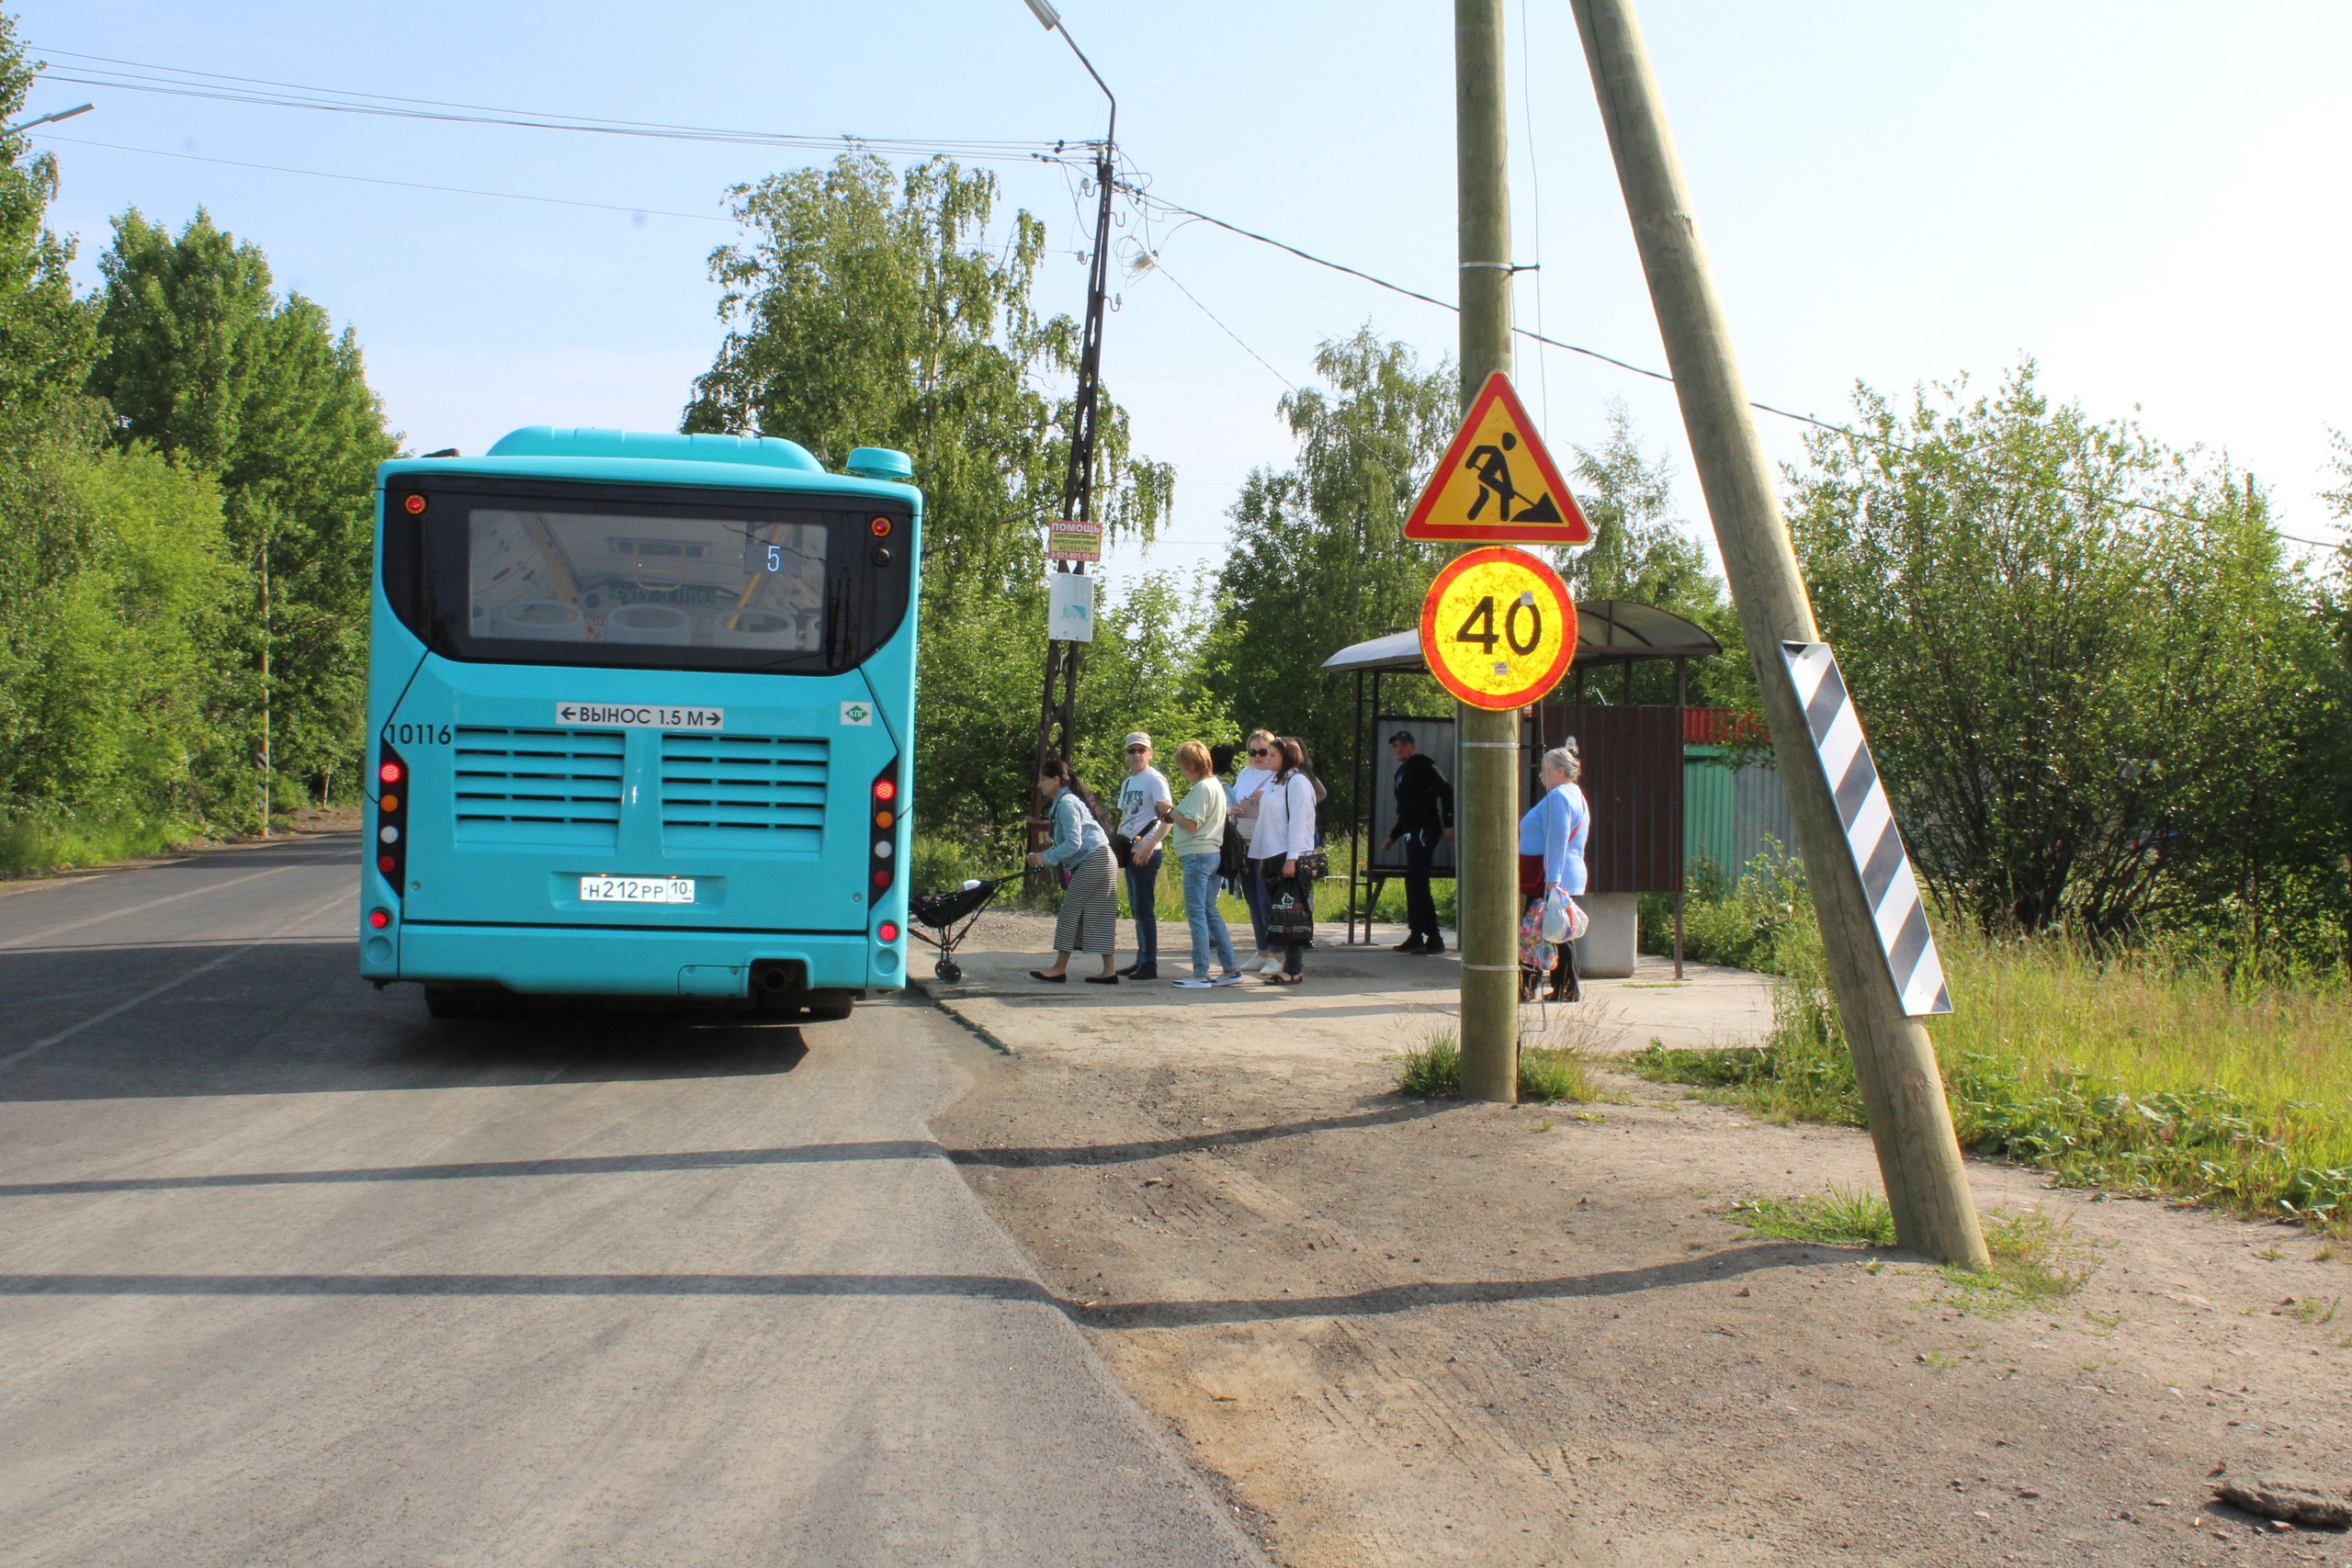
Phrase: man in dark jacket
x=1424 y=820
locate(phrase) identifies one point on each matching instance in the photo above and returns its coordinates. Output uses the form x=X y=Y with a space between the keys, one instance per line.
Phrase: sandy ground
x=1392 y=1332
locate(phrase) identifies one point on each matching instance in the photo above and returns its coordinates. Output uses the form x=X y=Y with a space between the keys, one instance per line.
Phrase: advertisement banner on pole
x=1068 y=540
x=1073 y=608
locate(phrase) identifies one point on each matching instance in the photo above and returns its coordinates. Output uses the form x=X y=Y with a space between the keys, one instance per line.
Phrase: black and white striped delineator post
x=1871 y=836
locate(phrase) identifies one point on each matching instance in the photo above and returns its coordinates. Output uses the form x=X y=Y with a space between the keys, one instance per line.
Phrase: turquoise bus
x=642 y=710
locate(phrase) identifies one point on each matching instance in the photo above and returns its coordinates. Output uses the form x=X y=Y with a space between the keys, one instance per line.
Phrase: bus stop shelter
x=1632 y=758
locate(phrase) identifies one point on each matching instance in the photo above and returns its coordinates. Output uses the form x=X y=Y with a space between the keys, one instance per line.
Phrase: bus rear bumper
x=543 y=962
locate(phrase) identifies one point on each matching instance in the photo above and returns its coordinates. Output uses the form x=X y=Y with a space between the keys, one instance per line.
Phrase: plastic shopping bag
x=1564 y=918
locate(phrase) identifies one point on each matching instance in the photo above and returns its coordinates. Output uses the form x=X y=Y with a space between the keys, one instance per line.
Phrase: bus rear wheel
x=827 y=1006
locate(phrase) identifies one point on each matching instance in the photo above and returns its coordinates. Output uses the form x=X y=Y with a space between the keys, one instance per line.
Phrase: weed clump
x=2034 y=1263
x=1843 y=1216
x=1552 y=1075
x=1548 y=1075
x=1432 y=1069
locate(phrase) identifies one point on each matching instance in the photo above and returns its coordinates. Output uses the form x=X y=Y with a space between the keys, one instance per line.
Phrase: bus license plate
x=636 y=889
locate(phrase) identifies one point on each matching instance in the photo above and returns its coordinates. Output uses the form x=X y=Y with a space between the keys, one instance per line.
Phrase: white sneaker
x=1188 y=984
x=1233 y=979
x=1271 y=966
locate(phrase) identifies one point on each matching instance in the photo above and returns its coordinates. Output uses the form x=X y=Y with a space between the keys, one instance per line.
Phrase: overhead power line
x=144 y=76
x=1147 y=199
x=403 y=185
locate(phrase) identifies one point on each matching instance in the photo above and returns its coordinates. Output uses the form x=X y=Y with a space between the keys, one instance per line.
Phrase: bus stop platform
x=1358 y=1004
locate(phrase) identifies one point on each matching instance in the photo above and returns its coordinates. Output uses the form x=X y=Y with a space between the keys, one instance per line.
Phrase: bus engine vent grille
x=538 y=786
x=743 y=792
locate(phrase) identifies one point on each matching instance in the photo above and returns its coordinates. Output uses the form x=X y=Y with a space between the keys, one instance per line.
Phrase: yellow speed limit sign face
x=1498 y=629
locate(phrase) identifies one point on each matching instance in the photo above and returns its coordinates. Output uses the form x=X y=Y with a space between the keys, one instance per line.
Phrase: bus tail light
x=391 y=846
x=883 y=845
x=379 y=918
x=888 y=931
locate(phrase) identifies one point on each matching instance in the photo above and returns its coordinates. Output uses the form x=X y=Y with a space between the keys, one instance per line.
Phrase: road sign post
x=1486 y=839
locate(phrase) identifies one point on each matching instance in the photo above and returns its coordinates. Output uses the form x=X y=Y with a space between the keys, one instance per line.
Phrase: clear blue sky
x=2148 y=197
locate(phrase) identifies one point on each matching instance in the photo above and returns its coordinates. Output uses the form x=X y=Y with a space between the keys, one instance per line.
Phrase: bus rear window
x=654 y=582
x=516 y=573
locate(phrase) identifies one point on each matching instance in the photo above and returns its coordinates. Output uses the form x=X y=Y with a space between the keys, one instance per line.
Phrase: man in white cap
x=1140 y=794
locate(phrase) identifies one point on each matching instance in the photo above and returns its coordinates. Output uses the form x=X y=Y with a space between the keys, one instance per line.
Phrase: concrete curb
x=988 y=1036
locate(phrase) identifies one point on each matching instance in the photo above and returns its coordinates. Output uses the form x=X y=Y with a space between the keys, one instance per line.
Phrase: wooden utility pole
x=265 y=779
x=1058 y=712
x=1918 y=1157
x=1487 y=835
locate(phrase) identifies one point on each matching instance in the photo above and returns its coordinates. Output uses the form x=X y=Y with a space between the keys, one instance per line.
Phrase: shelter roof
x=1609 y=631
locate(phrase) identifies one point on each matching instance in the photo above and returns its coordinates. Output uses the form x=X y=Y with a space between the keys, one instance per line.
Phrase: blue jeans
x=1201 y=912
x=1143 y=902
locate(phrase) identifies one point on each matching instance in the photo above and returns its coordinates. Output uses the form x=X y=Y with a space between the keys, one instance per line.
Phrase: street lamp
x=1077 y=488
x=85 y=108
x=1051 y=20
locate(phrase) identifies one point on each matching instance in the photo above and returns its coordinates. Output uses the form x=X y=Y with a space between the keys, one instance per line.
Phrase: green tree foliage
x=1318 y=558
x=46 y=332
x=201 y=359
x=1640 y=551
x=121 y=677
x=1143 y=670
x=871 y=308
x=2098 y=692
x=113 y=579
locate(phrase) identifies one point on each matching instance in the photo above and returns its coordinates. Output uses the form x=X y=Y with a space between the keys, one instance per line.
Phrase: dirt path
x=1407 y=1333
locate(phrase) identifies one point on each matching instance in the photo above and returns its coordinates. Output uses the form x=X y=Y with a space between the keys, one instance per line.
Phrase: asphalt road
x=289 y=1273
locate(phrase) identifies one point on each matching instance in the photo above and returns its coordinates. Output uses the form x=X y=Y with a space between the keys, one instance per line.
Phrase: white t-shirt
x=1139 y=795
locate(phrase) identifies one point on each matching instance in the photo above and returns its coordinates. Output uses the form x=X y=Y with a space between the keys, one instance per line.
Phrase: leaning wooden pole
x=1896 y=1062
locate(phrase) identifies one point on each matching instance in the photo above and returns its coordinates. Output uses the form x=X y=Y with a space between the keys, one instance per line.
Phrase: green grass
x=1548 y=1075
x=1432 y=1069
x=32 y=842
x=2034 y=1263
x=1843 y=1216
x=2147 y=1075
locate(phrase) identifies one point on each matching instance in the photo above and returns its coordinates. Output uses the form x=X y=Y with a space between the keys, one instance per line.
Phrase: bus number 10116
x=416 y=735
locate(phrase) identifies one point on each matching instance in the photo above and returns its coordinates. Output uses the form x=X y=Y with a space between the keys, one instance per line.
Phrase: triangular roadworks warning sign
x=1495 y=482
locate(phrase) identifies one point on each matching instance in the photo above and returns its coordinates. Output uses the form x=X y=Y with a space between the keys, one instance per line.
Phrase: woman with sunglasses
x=1258 y=771
x=1285 y=836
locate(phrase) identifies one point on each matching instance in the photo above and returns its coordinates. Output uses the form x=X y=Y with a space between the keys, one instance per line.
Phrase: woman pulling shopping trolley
x=1081 y=850
x=1551 y=878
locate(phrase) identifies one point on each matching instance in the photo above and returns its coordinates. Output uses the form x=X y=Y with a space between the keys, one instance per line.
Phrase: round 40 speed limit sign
x=1498 y=629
